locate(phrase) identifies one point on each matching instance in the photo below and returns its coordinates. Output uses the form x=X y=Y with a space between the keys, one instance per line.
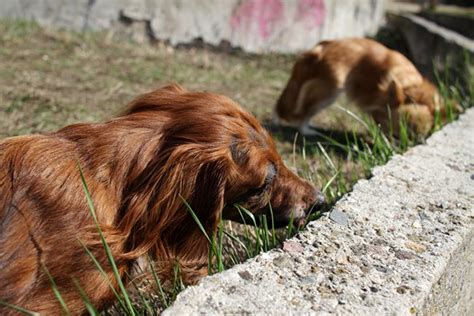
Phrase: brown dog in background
x=169 y=145
x=382 y=82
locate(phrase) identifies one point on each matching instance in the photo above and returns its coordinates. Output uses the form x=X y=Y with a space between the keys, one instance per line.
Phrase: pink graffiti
x=264 y=12
x=312 y=11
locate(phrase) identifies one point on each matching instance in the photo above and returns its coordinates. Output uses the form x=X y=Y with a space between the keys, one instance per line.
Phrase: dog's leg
x=276 y=121
x=306 y=129
x=319 y=100
x=419 y=118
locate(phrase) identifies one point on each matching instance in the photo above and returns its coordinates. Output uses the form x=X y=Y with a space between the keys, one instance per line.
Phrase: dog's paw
x=276 y=121
x=307 y=130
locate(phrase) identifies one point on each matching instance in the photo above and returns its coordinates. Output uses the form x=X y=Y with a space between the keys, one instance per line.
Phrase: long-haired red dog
x=170 y=145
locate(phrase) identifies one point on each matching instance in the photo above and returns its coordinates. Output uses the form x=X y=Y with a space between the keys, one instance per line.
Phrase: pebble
x=292 y=246
x=245 y=275
x=402 y=289
x=308 y=280
x=404 y=255
x=339 y=217
x=416 y=247
x=282 y=262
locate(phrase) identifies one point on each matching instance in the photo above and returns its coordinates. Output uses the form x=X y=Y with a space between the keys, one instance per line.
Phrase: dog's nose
x=320 y=199
x=317 y=199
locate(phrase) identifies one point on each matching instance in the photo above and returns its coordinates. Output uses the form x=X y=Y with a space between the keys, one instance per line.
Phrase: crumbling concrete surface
x=401 y=243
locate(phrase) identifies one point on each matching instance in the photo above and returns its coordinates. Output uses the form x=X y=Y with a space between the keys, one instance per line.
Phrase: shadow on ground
x=328 y=138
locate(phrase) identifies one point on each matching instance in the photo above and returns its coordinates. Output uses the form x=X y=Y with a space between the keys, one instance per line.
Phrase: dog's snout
x=320 y=198
x=317 y=199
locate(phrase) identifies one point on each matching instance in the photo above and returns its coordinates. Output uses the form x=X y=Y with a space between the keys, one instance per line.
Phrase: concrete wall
x=446 y=50
x=254 y=25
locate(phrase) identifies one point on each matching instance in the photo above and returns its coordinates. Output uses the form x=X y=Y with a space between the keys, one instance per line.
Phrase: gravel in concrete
x=401 y=243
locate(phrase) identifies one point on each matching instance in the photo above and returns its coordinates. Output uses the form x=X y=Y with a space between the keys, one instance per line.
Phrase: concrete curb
x=399 y=243
x=425 y=38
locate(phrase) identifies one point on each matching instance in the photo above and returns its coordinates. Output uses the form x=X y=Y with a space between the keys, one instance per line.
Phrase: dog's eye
x=271 y=173
x=257 y=191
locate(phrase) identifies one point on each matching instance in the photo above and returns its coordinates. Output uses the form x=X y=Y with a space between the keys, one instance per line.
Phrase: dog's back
x=36 y=225
x=19 y=254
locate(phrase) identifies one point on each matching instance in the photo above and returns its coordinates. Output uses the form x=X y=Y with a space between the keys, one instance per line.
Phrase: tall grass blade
x=19 y=309
x=55 y=289
x=108 y=252
x=164 y=301
x=85 y=299
x=196 y=219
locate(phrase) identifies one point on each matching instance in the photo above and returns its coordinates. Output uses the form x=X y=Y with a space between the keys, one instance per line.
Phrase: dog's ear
x=396 y=94
x=185 y=176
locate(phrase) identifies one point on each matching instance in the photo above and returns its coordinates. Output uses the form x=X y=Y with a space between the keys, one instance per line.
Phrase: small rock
x=329 y=250
x=376 y=249
x=315 y=269
x=232 y=289
x=454 y=167
x=308 y=280
x=381 y=268
x=379 y=231
x=364 y=269
x=329 y=303
x=342 y=260
x=282 y=262
x=245 y=275
x=402 y=289
x=324 y=289
x=292 y=246
x=418 y=248
x=404 y=255
x=339 y=271
x=379 y=242
x=338 y=217
x=472 y=176
x=441 y=205
x=373 y=289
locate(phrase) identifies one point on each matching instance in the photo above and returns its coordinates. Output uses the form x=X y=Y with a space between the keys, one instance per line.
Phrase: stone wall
x=254 y=25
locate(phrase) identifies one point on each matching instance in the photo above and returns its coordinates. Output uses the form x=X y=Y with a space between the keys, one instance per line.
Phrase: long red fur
x=169 y=145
